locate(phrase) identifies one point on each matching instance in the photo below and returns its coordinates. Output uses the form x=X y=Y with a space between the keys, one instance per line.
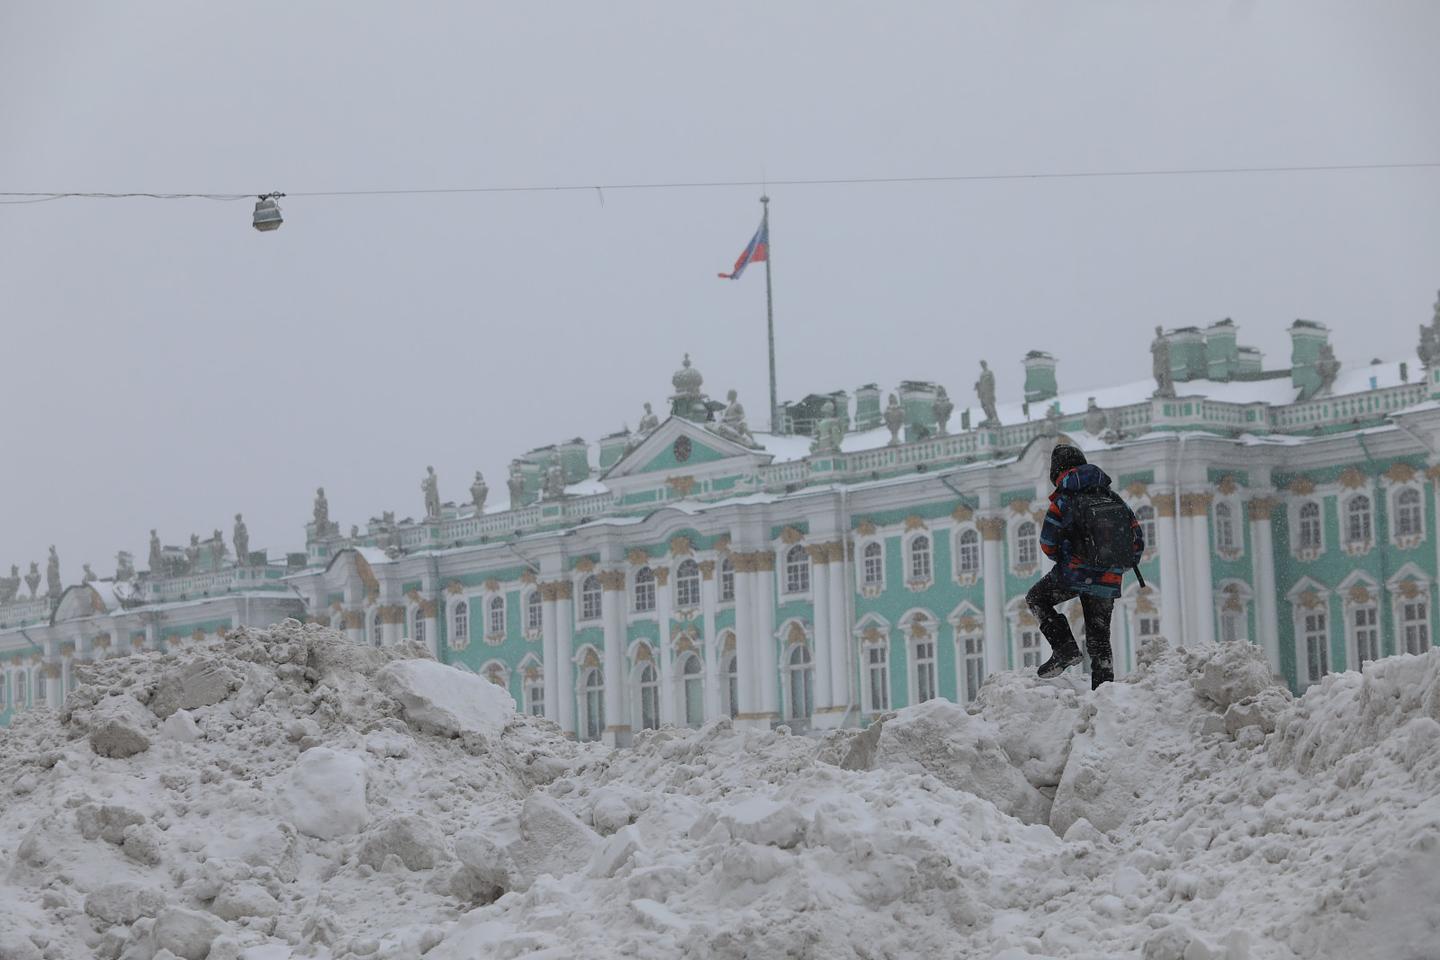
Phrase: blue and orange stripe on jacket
x=1055 y=534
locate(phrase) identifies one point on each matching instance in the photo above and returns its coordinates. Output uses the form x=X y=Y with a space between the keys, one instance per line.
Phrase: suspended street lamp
x=267 y=212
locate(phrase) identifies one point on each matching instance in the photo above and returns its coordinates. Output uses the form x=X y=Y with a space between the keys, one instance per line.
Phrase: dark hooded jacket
x=1057 y=534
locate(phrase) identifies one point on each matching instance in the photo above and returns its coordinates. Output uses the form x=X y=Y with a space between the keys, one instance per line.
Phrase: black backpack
x=1103 y=533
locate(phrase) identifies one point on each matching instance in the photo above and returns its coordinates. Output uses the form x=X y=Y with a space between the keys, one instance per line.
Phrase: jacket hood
x=1087 y=476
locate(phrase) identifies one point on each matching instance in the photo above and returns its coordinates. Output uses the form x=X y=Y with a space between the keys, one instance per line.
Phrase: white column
x=992 y=562
x=663 y=605
x=1171 y=618
x=432 y=627
x=766 y=662
x=1200 y=581
x=841 y=669
x=710 y=647
x=746 y=683
x=612 y=604
x=824 y=652
x=549 y=651
x=1267 y=613
x=54 y=695
x=391 y=624
x=563 y=664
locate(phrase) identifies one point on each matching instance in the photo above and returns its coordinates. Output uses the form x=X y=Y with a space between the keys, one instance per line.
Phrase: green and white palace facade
x=874 y=553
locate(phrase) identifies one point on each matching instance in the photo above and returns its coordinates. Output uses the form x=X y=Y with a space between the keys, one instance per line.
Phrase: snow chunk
x=180 y=726
x=764 y=821
x=187 y=933
x=962 y=751
x=552 y=840
x=323 y=795
x=120 y=727
x=1232 y=672
x=198 y=683
x=418 y=845
x=124 y=902
x=440 y=699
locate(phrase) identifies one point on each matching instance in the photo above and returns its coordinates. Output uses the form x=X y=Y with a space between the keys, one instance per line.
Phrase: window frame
x=965 y=572
x=495 y=605
x=796 y=565
x=643 y=586
x=1407 y=539
x=687 y=584
x=589 y=596
x=727 y=579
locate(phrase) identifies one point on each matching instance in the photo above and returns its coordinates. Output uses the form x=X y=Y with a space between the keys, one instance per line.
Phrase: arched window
x=973 y=650
x=535 y=694
x=920 y=558
x=1146 y=515
x=694 y=690
x=40 y=685
x=924 y=669
x=590 y=598
x=497 y=616
x=593 y=683
x=1314 y=629
x=649 y=697
x=1357 y=521
x=687 y=584
x=1364 y=620
x=377 y=628
x=460 y=622
x=801 y=681
x=877 y=672
x=873 y=565
x=797 y=570
x=1224 y=527
x=1409 y=519
x=1027 y=552
x=727 y=579
x=1310 y=525
x=644 y=590
x=1415 y=625
x=417 y=625
x=1030 y=645
x=534 y=616
x=731 y=689
x=1232 y=626
x=967 y=552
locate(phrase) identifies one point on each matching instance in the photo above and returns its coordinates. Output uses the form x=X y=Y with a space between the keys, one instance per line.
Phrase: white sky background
x=165 y=365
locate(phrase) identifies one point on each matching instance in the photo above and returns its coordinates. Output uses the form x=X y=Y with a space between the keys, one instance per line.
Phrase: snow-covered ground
x=289 y=794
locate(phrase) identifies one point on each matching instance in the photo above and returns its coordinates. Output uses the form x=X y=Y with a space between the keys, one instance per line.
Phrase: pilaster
x=992 y=570
x=710 y=647
x=612 y=612
x=1199 y=579
x=1267 y=615
x=549 y=650
x=664 y=602
x=564 y=663
x=820 y=597
x=1167 y=545
x=766 y=645
x=841 y=669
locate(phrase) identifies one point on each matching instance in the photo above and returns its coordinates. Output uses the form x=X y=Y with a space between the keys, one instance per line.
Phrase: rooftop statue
x=192 y=551
x=516 y=484
x=10 y=586
x=88 y=576
x=1327 y=367
x=985 y=390
x=124 y=566
x=354 y=531
x=829 y=430
x=648 y=422
x=894 y=420
x=32 y=579
x=554 y=487
x=1094 y=418
x=430 y=486
x=241 y=537
x=478 y=492
x=732 y=425
x=944 y=407
x=1430 y=337
x=155 y=560
x=1160 y=364
x=53 y=587
x=322 y=512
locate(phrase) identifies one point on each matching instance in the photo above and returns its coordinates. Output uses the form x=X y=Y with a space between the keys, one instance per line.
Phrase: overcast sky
x=165 y=365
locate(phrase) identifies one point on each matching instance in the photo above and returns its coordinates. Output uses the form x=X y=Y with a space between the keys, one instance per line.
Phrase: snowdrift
x=288 y=794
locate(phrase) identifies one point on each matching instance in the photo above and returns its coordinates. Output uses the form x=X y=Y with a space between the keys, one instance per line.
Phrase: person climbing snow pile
x=1093 y=537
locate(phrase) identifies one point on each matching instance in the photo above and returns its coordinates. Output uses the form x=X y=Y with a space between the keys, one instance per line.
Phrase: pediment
x=681 y=446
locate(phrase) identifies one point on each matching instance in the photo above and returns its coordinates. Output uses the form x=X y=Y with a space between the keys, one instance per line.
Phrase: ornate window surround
x=1235 y=509
x=1019 y=619
x=1356 y=548
x=782 y=571
x=1012 y=533
x=531 y=633
x=967 y=625
x=920 y=626
x=1233 y=597
x=1358 y=591
x=873 y=631
x=870 y=589
x=966 y=578
x=1408 y=585
x=1393 y=489
x=907 y=544
x=1294 y=505
x=494 y=637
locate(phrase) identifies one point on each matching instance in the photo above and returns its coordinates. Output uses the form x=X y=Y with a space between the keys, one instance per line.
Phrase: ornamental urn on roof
x=687 y=379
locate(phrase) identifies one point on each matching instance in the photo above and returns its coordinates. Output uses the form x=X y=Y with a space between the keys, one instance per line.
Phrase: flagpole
x=776 y=424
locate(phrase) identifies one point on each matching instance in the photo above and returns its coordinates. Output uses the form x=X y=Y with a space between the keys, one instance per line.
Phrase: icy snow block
x=1232 y=672
x=614 y=853
x=1257 y=711
x=123 y=902
x=198 y=683
x=180 y=726
x=323 y=795
x=106 y=821
x=440 y=699
x=187 y=933
x=120 y=727
x=552 y=840
x=609 y=811
x=244 y=900
x=961 y=750
x=765 y=821
x=1105 y=771
x=418 y=845
x=483 y=875
x=16 y=946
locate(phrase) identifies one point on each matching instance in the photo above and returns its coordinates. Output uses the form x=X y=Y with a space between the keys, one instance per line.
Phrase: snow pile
x=286 y=794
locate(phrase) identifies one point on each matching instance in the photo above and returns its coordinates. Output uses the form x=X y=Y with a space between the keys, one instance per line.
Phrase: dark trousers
x=1050 y=591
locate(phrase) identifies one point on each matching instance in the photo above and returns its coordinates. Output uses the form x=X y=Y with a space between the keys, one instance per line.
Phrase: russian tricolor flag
x=756 y=251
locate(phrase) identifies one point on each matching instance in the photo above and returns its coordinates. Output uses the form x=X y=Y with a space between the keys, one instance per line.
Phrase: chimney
x=868 y=414
x=918 y=399
x=1222 y=358
x=1040 y=382
x=1306 y=339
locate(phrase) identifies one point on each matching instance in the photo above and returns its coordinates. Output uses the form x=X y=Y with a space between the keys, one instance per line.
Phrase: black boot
x=1061 y=659
x=1101 y=671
